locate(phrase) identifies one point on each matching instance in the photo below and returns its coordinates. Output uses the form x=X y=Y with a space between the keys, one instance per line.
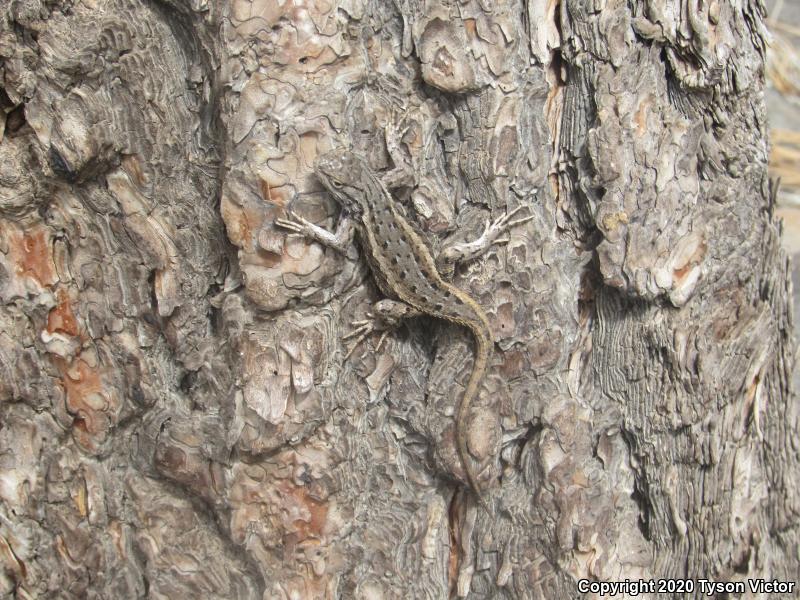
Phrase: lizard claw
x=505 y=222
x=294 y=223
x=519 y=222
x=494 y=228
x=381 y=340
x=363 y=328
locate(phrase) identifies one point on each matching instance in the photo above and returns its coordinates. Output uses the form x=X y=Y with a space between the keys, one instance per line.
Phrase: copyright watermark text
x=708 y=587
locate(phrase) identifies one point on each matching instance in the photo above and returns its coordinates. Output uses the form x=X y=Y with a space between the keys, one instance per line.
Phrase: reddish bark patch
x=271 y=194
x=471 y=27
x=86 y=382
x=86 y=400
x=61 y=319
x=80 y=424
x=317 y=511
x=36 y=258
x=679 y=273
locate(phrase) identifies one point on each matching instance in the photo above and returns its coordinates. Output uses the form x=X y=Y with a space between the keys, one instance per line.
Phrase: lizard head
x=346 y=176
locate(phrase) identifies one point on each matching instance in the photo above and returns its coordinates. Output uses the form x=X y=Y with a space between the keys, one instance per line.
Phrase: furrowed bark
x=177 y=417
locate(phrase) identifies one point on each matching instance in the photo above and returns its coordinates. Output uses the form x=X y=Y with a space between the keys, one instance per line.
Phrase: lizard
x=404 y=268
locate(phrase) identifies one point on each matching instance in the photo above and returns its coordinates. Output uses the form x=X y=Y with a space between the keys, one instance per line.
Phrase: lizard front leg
x=340 y=240
x=463 y=251
x=385 y=314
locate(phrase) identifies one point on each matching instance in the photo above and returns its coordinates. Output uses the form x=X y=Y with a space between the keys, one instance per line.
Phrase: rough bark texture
x=178 y=419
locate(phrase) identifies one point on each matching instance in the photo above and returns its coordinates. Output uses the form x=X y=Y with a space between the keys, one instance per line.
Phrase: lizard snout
x=337 y=161
x=327 y=163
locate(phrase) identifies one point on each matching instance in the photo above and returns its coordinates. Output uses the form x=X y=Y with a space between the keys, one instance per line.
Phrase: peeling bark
x=177 y=416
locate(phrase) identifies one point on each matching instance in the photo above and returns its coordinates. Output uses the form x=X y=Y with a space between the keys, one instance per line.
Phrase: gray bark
x=177 y=417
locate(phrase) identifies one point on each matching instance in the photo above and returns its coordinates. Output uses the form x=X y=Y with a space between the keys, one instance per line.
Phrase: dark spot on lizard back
x=394 y=260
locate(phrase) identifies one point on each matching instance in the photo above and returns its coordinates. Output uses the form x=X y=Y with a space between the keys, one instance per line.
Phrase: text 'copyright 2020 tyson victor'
x=709 y=587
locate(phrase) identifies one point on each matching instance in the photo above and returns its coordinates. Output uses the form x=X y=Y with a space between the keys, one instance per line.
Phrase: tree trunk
x=180 y=418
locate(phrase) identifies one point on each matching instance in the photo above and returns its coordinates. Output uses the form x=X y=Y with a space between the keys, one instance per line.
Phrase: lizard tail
x=482 y=348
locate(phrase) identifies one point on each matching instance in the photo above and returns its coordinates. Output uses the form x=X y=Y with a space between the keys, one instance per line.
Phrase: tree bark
x=179 y=418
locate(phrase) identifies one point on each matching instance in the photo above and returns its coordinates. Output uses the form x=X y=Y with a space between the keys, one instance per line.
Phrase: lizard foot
x=491 y=235
x=363 y=328
x=502 y=224
x=384 y=317
x=296 y=224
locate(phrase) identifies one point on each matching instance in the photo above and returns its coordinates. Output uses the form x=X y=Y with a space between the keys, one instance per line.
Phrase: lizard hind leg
x=384 y=316
x=463 y=251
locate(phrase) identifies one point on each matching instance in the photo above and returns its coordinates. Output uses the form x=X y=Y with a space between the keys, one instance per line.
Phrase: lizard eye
x=336 y=184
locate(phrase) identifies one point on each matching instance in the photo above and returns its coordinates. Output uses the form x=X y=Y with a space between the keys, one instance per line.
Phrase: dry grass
x=783 y=59
x=784 y=160
x=783 y=72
